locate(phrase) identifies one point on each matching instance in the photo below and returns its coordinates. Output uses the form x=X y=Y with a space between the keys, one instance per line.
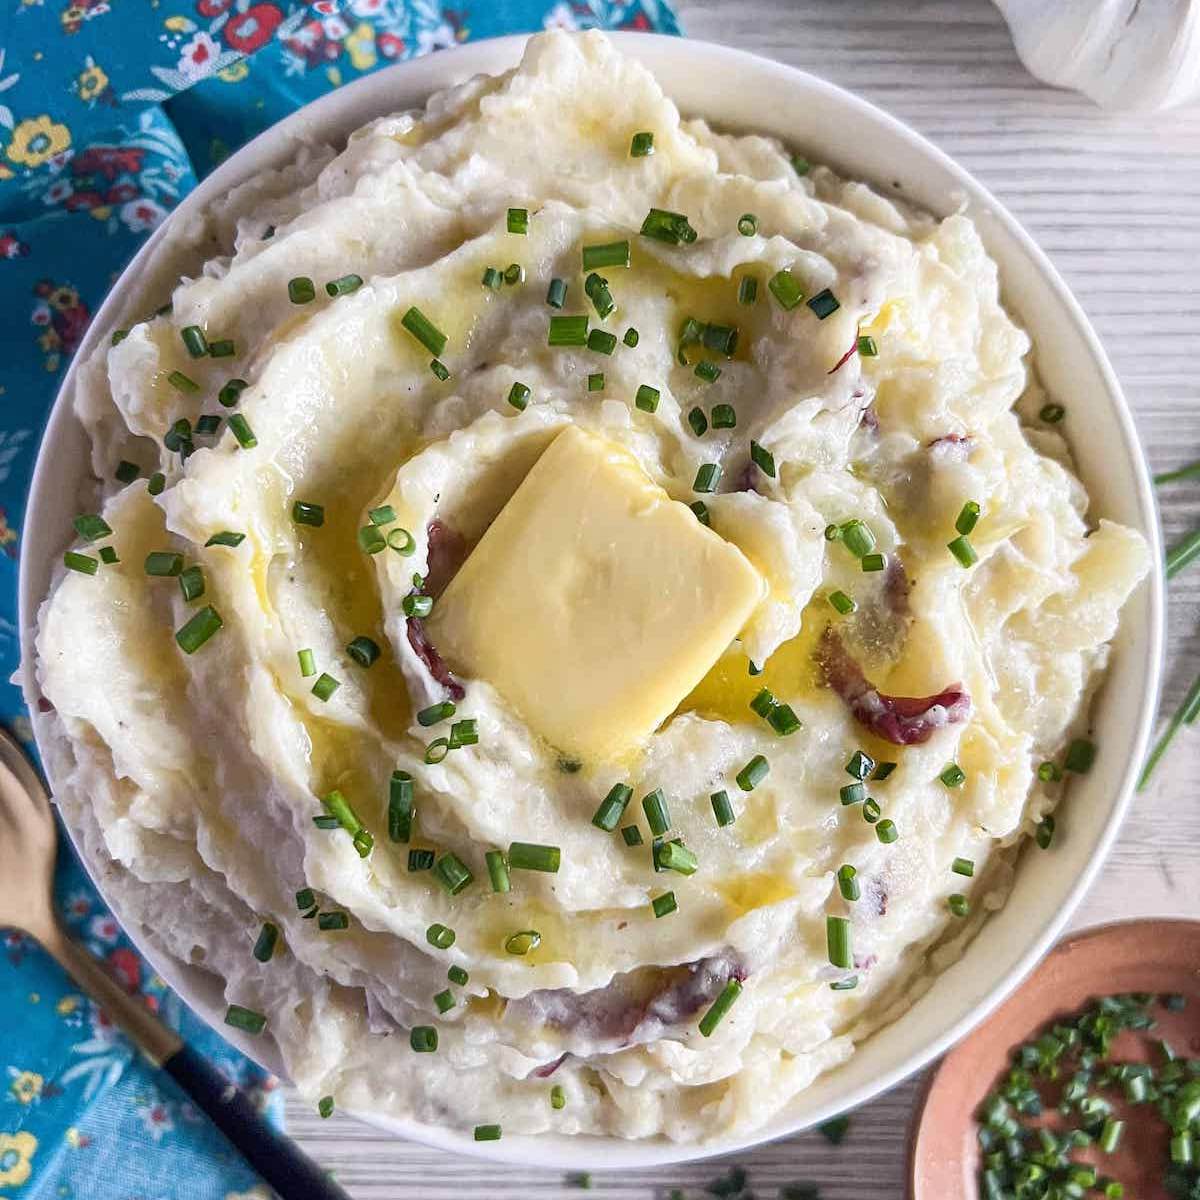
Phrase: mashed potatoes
x=884 y=610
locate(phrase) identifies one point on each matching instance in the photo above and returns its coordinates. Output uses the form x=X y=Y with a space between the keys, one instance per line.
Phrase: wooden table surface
x=1115 y=201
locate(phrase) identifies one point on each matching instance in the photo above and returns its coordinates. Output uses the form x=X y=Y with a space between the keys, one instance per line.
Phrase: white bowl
x=742 y=92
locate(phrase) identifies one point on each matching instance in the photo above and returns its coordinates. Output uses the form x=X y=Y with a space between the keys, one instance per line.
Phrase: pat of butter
x=594 y=603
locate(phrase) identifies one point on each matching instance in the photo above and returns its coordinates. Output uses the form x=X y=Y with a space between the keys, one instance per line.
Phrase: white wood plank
x=1115 y=201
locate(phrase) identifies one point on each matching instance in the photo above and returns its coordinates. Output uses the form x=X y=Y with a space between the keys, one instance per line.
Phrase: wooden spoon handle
x=279 y=1161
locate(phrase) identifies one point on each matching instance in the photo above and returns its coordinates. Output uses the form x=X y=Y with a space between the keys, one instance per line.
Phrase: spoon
x=28 y=844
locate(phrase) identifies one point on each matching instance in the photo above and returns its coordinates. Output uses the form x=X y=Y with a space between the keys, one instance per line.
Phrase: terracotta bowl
x=1159 y=956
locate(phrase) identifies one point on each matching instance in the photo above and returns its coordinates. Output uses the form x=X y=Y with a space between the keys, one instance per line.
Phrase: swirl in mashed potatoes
x=636 y=707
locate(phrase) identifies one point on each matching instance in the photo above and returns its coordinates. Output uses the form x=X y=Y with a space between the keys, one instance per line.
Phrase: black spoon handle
x=279 y=1161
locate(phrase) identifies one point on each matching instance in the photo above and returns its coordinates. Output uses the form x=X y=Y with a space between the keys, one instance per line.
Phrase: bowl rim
x=433 y=73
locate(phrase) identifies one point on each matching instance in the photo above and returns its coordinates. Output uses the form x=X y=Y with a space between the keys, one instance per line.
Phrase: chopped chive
x=847 y=878
x=440 y=937
x=436 y=712
x=664 y=905
x=842 y=603
x=240 y=428
x=1043 y=832
x=325 y=686
x=860 y=765
x=886 y=831
x=763 y=459
x=670 y=227
x=722 y=808
x=300 y=290
x=1052 y=413
x=558 y=1097
x=82 y=563
x=596 y=289
x=385 y=514
x=492 y=279
x=423 y=1039
x=698 y=422
x=371 y=540
x=724 y=416
x=518 y=221
x=518 y=396
x=853 y=793
x=690 y=332
x=884 y=770
x=800 y=164
x=108 y=556
x=707 y=478
x=607 y=816
x=458 y=975
x=308 y=664
x=786 y=289
x=226 y=537
x=126 y=471
x=420 y=860
x=208 y=424
x=245 y=1019
x=401 y=541
x=182 y=383
x=824 y=304
x=556 y=293
x=783 y=720
x=958 y=904
x=1110 y=1134
x=641 y=145
x=963 y=866
x=514 y=273
x=710 y=373
x=198 y=629
x=631 y=337
x=118 y=336
x=837 y=940
x=753 y=773
x=873 y=562
x=748 y=290
x=867 y=347
x=325 y=821
x=417 y=606
x=425 y=331
x=305 y=899
x=720 y=1007
x=834 y=1131
x=844 y=985
x=191 y=583
x=523 y=941
x=487 y=1133
x=497 y=871
x=675 y=856
x=858 y=538
x=308 y=514
x=91 y=527
x=701 y=511
x=363 y=650
x=529 y=856
x=721 y=338
x=444 y=1001
x=1079 y=757
x=601 y=341
x=658 y=817
x=325 y=1107
x=968 y=518
x=953 y=775
x=962 y=550
x=231 y=392
x=440 y=370
x=568 y=331
x=452 y=873
x=647 y=398
x=631 y=835
x=606 y=254
x=595 y=382
x=747 y=225
x=401 y=807
x=343 y=285
x=464 y=733
x=871 y=811
x=194 y=340
x=1049 y=772
x=331 y=921
x=763 y=703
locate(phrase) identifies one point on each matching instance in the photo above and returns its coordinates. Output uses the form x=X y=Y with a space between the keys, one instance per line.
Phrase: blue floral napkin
x=110 y=111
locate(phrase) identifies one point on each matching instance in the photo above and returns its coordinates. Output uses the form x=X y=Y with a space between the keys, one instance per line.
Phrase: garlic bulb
x=1124 y=54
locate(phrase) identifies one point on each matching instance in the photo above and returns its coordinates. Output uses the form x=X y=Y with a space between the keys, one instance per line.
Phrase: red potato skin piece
x=425 y=650
x=901 y=720
x=447 y=552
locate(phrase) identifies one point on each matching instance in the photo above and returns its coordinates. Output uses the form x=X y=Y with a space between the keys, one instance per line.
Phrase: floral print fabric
x=110 y=112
